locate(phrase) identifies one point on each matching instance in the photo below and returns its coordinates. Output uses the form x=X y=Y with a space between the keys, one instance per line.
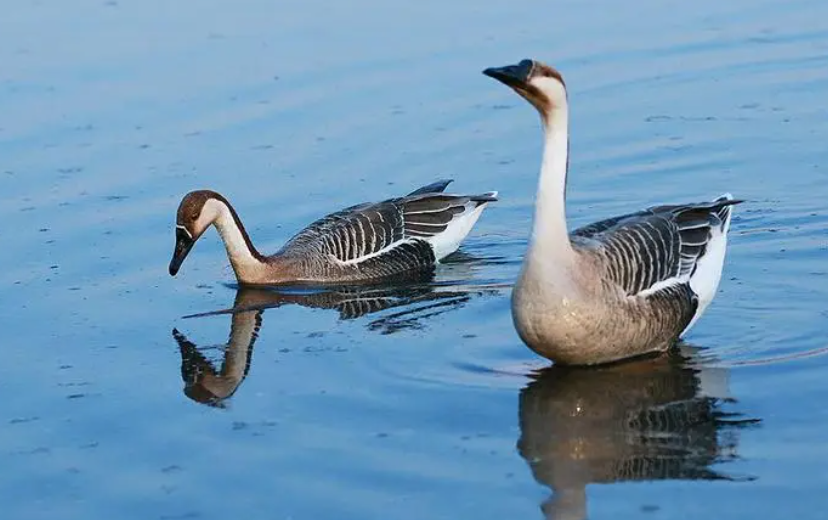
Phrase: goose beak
x=512 y=75
x=183 y=244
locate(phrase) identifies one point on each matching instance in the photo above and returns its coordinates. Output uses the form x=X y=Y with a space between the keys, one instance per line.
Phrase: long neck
x=550 y=237
x=244 y=257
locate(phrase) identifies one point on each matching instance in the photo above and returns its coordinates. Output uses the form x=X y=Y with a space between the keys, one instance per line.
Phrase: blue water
x=420 y=403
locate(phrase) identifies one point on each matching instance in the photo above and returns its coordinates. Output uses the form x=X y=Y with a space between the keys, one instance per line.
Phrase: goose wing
x=395 y=230
x=427 y=216
x=657 y=248
x=351 y=234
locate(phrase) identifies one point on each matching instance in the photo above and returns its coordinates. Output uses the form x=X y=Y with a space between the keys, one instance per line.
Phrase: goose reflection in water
x=417 y=303
x=655 y=419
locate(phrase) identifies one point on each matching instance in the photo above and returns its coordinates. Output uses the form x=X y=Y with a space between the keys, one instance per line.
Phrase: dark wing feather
x=408 y=260
x=661 y=243
x=367 y=229
x=602 y=225
x=435 y=187
x=351 y=233
x=429 y=215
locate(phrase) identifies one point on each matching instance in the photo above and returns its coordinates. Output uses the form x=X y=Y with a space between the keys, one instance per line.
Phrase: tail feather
x=435 y=187
x=708 y=271
x=723 y=208
x=489 y=196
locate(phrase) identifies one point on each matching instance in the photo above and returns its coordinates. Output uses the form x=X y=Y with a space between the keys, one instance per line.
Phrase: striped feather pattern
x=430 y=215
x=351 y=233
x=386 y=237
x=407 y=258
x=656 y=246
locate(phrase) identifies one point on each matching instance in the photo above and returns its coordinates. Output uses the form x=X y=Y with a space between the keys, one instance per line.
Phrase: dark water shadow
x=417 y=303
x=654 y=419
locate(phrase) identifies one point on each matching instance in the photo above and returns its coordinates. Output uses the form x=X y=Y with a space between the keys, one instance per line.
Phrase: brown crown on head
x=543 y=70
x=191 y=205
x=520 y=78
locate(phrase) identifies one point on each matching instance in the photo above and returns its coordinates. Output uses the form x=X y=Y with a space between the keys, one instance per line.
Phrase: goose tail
x=723 y=208
x=489 y=196
x=708 y=272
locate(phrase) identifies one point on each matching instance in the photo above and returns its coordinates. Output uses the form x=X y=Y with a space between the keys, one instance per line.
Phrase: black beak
x=512 y=75
x=183 y=244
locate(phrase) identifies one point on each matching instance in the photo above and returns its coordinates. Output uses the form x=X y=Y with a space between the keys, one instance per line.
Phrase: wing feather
x=647 y=251
x=366 y=231
x=430 y=215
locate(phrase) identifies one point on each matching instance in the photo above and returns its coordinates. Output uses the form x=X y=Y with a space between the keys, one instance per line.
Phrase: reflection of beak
x=512 y=75
x=183 y=244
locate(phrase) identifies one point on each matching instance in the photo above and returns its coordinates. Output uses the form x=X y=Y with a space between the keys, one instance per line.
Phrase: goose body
x=618 y=288
x=369 y=242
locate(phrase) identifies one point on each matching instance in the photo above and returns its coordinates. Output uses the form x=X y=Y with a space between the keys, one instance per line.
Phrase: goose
x=369 y=242
x=619 y=288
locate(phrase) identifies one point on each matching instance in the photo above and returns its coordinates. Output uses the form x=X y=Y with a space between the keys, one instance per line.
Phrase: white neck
x=242 y=259
x=550 y=237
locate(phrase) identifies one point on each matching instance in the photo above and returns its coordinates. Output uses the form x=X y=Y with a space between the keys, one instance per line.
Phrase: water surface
x=419 y=403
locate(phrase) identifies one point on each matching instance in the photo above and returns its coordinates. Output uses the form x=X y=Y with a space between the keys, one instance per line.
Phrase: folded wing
x=660 y=247
x=413 y=230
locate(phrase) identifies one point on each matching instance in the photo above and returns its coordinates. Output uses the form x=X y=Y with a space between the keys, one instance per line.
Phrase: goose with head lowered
x=371 y=242
x=618 y=288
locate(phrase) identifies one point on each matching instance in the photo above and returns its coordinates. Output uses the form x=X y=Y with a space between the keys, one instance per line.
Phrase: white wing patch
x=663 y=284
x=705 y=280
x=363 y=258
x=449 y=240
x=703 y=272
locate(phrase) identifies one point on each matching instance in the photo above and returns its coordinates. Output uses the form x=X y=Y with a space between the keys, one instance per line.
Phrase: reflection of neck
x=243 y=333
x=550 y=238
x=203 y=383
x=566 y=504
x=244 y=258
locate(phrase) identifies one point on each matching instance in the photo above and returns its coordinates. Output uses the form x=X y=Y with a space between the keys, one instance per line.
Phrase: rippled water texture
x=416 y=403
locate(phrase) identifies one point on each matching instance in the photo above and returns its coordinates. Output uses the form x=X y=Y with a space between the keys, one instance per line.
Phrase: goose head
x=198 y=209
x=538 y=83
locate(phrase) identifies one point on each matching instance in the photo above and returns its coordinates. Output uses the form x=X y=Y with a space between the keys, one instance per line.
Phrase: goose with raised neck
x=618 y=288
x=394 y=239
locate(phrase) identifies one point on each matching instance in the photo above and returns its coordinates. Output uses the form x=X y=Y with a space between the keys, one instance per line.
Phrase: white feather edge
x=708 y=273
x=663 y=284
x=443 y=243
x=449 y=240
x=705 y=280
x=358 y=260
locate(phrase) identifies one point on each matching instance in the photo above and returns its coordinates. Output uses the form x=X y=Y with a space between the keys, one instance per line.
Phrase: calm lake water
x=417 y=403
